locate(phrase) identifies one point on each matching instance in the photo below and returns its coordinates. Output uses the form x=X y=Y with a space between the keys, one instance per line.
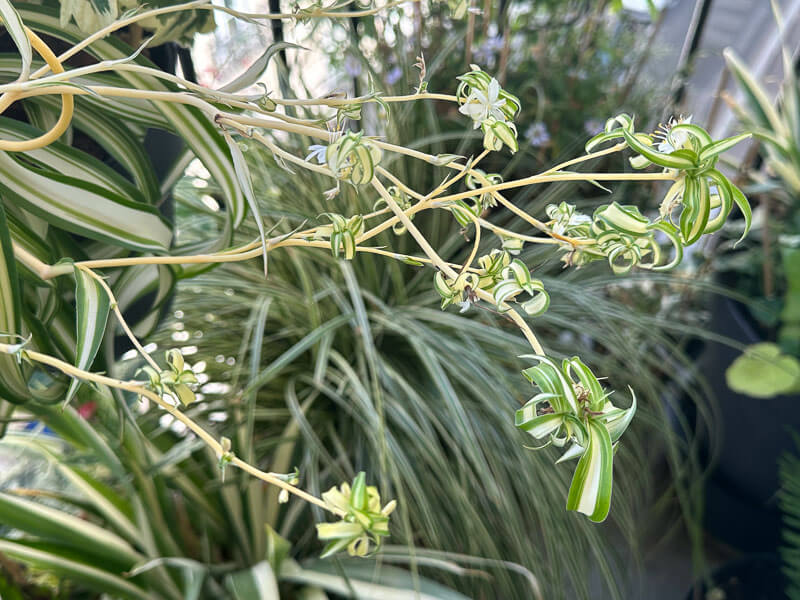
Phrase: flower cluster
x=573 y=408
x=490 y=107
x=175 y=380
x=363 y=523
x=351 y=157
x=342 y=234
x=688 y=151
x=505 y=278
x=617 y=233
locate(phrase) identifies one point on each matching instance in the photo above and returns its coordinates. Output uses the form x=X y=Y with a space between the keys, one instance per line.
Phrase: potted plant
x=571 y=408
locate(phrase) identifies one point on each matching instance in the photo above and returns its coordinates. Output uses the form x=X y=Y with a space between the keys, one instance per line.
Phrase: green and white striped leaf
x=84 y=208
x=68 y=530
x=13 y=386
x=601 y=138
x=761 y=108
x=547 y=375
x=673 y=235
x=660 y=158
x=696 y=209
x=116 y=137
x=256 y=582
x=66 y=160
x=741 y=201
x=97 y=579
x=255 y=70
x=538 y=426
x=92 y=307
x=720 y=146
x=246 y=183
x=367 y=583
x=618 y=424
x=590 y=491
x=725 y=196
x=197 y=130
x=16 y=29
x=624 y=219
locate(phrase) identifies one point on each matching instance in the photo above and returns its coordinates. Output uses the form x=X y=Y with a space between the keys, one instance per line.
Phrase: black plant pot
x=741 y=493
x=754 y=577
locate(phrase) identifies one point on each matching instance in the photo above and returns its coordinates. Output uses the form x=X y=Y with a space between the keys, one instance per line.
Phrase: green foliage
x=91 y=15
x=61 y=201
x=789 y=502
x=763 y=371
x=350 y=369
x=578 y=413
x=352 y=374
x=777 y=296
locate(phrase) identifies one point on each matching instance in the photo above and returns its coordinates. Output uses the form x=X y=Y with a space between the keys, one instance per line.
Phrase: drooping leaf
x=82 y=207
x=12 y=382
x=92 y=307
x=66 y=529
x=590 y=490
x=255 y=70
x=246 y=183
x=94 y=577
x=16 y=29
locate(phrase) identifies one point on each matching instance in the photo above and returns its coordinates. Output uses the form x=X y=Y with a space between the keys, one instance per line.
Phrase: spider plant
x=344 y=366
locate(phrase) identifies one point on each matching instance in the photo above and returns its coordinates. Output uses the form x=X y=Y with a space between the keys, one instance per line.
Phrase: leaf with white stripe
x=590 y=490
x=15 y=28
x=92 y=307
x=246 y=183
x=69 y=161
x=201 y=135
x=13 y=386
x=82 y=207
x=256 y=582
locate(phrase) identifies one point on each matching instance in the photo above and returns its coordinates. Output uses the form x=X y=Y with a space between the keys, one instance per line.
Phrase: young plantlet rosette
x=688 y=152
x=174 y=380
x=342 y=233
x=572 y=409
x=353 y=158
x=364 y=522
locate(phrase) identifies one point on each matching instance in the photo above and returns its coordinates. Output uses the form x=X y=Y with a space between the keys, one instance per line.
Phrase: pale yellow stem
x=67 y=104
x=449 y=271
x=137 y=388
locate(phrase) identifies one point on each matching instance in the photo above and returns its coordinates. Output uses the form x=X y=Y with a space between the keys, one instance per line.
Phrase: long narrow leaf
x=92 y=307
x=68 y=530
x=590 y=491
x=13 y=386
x=84 y=208
x=243 y=176
x=256 y=582
x=15 y=28
x=98 y=579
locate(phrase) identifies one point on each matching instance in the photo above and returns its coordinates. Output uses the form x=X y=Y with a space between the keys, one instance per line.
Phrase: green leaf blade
x=92 y=308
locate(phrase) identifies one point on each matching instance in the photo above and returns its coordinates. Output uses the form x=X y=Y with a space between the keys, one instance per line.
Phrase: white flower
x=480 y=106
x=317 y=151
x=672 y=140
